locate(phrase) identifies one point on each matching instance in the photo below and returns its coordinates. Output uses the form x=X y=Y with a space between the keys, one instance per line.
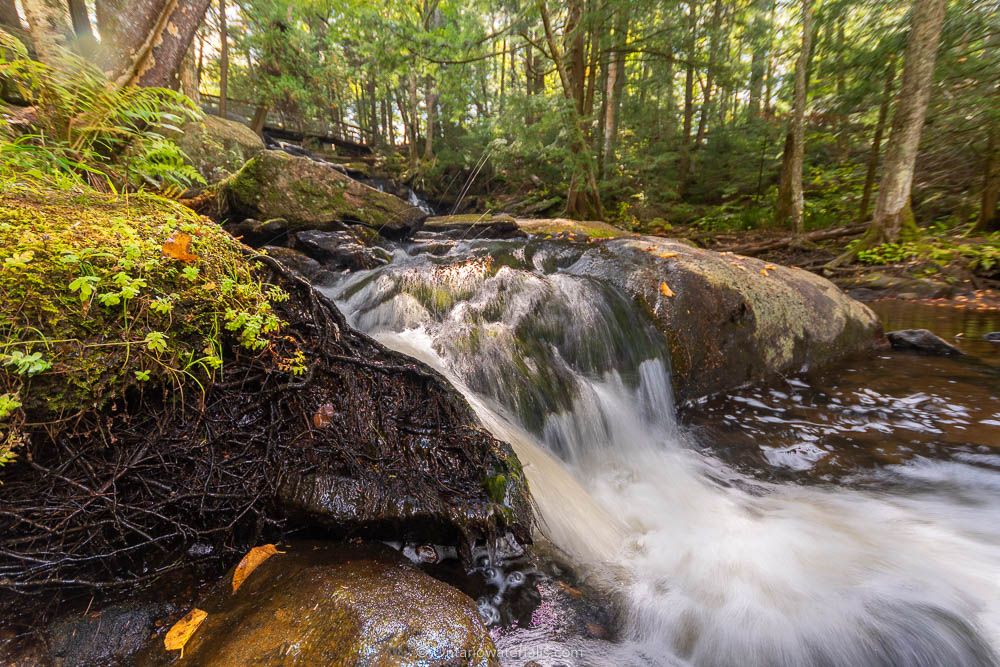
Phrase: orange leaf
x=177 y=247
x=665 y=290
x=253 y=558
x=763 y=272
x=179 y=634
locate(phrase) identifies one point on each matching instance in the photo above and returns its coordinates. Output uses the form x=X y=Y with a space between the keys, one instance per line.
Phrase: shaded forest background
x=647 y=114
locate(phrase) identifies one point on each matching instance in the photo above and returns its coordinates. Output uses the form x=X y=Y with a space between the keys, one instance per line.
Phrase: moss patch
x=583 y=229
x=100 y=294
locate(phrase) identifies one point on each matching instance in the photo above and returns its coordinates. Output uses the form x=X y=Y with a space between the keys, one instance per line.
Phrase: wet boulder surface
x=334 y=604
x=922 y=341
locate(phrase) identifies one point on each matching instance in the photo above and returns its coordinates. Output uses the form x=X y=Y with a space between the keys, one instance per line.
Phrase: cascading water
x=713 y=567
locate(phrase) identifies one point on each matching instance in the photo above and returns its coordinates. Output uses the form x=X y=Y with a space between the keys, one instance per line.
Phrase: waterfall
x=711 y=566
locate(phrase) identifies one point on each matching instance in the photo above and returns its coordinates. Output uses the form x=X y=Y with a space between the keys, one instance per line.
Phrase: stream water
x=850 y=517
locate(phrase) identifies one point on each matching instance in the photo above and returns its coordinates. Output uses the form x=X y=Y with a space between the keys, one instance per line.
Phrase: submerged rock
x=992 y=337
x=328 y=604
x=922 y=341
x=217 y=147
x=107 y=637
x=314 y=195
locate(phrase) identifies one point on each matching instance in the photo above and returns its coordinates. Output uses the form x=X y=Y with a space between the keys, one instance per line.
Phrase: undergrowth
x=102 y=294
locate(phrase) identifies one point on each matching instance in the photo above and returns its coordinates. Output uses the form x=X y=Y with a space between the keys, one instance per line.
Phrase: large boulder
x=474 y=225
x=314 y=195
x=728 y=319
x=217 y=147
x=327 y=604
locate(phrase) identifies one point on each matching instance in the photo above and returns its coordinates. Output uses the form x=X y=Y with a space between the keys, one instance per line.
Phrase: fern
x=81 y=128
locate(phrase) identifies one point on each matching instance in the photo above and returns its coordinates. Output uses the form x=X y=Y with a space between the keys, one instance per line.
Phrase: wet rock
x=922 y=341
x=329 y=604
x=256 y=233
x=347 y=249
x=474 y=225
x=103 y=638
x=730 y=320
x=314 y=195
x=993 y=337
x=217 y=147
x=300 y=263
x=572 y=229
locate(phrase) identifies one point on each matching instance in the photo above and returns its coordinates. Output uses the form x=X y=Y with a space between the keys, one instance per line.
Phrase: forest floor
x=944 y=272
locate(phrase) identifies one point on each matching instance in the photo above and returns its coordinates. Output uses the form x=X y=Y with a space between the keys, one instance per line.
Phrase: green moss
x=100 y=294
x=587 y=229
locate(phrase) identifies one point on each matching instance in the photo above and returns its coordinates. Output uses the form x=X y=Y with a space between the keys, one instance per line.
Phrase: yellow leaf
x=763 y=272
x=181 y=632
x=666 y=255
x=253 y=558
x=665 y=290
x=177 y=247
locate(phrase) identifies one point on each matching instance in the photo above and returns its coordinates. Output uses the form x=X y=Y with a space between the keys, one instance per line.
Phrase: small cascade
x=711 y=566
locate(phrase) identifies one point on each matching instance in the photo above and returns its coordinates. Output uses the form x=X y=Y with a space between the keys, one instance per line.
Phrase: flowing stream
x=715 y=558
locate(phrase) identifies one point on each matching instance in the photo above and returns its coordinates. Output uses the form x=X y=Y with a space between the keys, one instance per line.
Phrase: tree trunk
x=144 y=41
x=86 y=42
x=9 y=18
x=713 y=57
x=684 y=163
x=259 y=119
x=989 y=215
x=892 y=208
x=873 y=154
x=613 y=87
x=49 y=26
x=190 y=83
x=431 y=100
x=223 y=59
x=583 y=198
x=843 y=146
x=790 y=200
x=758 y=62
x=414 y=119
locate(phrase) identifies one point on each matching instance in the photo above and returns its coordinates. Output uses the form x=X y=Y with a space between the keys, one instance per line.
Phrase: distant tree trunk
x=414 y=118
x=583 y=198
x=843 y=145
x=769 y=71
x=9 y=18
x=989 y=215
x=892 y=208
x=758 y=61
x=713 y=57
x=223 y=60
x=259 y=119
x=790 y=200
x=873 y=154
x=86 y=42
x=431 y=100
x=684 y=162
x=144 y=41
x=49 y=27
x=613 y=90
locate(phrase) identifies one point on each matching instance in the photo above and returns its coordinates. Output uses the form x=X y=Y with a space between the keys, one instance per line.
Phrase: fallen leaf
x=763 y=272
x=323 y=415
x=253 y=558
x=665 y=290
x=181 y=631
x=666 y=255
x=177 y=247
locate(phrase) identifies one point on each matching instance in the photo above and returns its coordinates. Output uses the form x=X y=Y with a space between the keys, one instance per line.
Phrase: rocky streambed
x=570 y=341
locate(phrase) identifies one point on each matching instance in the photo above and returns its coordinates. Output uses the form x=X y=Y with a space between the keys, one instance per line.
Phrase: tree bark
x=758 y=61
x=791 y=203
x=892 y=208
x=49 y=26
x=873 y=154
x=223 y=59
x=144 y=41
x=9 y=18
x=713 y=57
x=613 y=87
x=989 y=215
x=684 y=163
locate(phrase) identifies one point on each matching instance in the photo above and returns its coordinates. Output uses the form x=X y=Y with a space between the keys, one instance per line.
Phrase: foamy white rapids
x=712 y=567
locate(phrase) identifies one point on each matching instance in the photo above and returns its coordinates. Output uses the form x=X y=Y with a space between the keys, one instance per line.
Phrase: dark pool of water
x=869 y=412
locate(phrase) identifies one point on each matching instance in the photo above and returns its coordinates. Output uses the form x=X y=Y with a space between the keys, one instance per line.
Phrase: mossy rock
x=217 y=147
x=730 y=320
x=104 y=294
x=329 y=604
x=314 y=195
x=575 y=229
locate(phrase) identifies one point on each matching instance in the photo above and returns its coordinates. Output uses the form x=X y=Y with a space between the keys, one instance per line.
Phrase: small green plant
x=84 y=129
